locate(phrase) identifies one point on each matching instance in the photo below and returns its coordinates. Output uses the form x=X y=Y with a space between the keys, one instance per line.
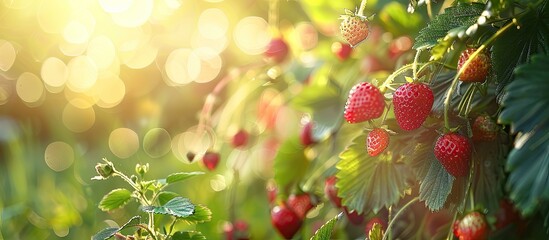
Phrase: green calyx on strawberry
x=484 y=128
x=365 y=103
x=453 y=151
x=412 y=103
x=354 y=27
x=472 y=226
x=477 y=70
x=377 y=141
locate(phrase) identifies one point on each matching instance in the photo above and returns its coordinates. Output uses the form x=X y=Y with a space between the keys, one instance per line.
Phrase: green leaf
x=322 y=102
x=376 y=233
x=453 y=17
x=525 y=109
x=369 y=183
x=325 y=232
x=188 y=235
x=515 y=46
x=178 y=207
x=436 y=183
x=109 y=232
x=115 y=199
x=201 y=214
x=395 y=19
x=177 y=177
x=489 y=159
x=165 y=196
x=290 y=163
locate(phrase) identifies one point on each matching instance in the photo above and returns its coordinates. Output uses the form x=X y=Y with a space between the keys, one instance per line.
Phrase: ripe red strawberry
x=353 y=216
x=365 y=102
x=478 y=68
x=277 y=50
x=453 y=151
x=342 y=50
x=301 y=204
x=484 y=128
x=473 y=227
x=507 y=214
x=370 y=225
x=455 y=227
x=210 y=160
x=240 y=139
x=354 y=28
x=238 y=230
x=377 y=141
x=286 y=221
x=413 y=103
x=306 y=135
x=331 y=191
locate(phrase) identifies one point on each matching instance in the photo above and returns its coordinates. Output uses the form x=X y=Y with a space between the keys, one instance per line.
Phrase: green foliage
x=177 y=207
x=188 y=235
x=109 y=232
x=489 y=159
x=290 y=163
x=321 y=101
x=525 y=105
x=457 y=16
x=369 y=183
x=201 y=214
x=376 y=233
x=177 y=177
x=115 y=199
x=325 y=232
x=517 y=45
x=397 y=20
x=435 y=182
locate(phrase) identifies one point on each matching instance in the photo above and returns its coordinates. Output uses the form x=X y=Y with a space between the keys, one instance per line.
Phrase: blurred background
x=127 y=80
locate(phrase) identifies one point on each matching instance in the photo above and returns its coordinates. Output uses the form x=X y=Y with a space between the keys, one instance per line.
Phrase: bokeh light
x=115 y=6
x=210 y=64
x=213 y=23
x=123 y=142
x=109 y=90
x=135 y=15
x=157 y=142
x=8 y=53
x=55 y=74
x=251 y=35
x=82 y=74
x=182 y=66
x=59 y=156
x=52 y=15
x=30 y=88
x=101 y=51
x=78 y=116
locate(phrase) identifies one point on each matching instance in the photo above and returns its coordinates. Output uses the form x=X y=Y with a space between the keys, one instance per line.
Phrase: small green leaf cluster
x=153 y=200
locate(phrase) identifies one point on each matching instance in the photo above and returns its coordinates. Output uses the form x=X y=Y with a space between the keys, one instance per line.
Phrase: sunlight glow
x=59 y=156
x=7 y=51
x=123 y=142
x=251 y=35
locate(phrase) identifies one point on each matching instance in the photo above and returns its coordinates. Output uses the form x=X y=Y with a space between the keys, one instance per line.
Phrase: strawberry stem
x=393 y=75
x=471 y=57
x=400 y=211
x=360 y=11
x=414 y=69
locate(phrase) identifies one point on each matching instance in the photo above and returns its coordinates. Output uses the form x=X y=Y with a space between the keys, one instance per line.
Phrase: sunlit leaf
x=395 y=19
x=525 y=110
x=453 y=17
x=290 y=163
x=376 y=233
x=176 y=177
x=368 y=183
x=178 y=207
x=115 y=199
x=201 y=214
x=188 y=235
x=165 y=196
x=325 y=232
x=109 y=232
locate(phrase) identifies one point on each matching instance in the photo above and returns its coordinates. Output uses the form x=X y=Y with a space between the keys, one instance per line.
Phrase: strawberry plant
x=454 y=123
x=154 y=201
